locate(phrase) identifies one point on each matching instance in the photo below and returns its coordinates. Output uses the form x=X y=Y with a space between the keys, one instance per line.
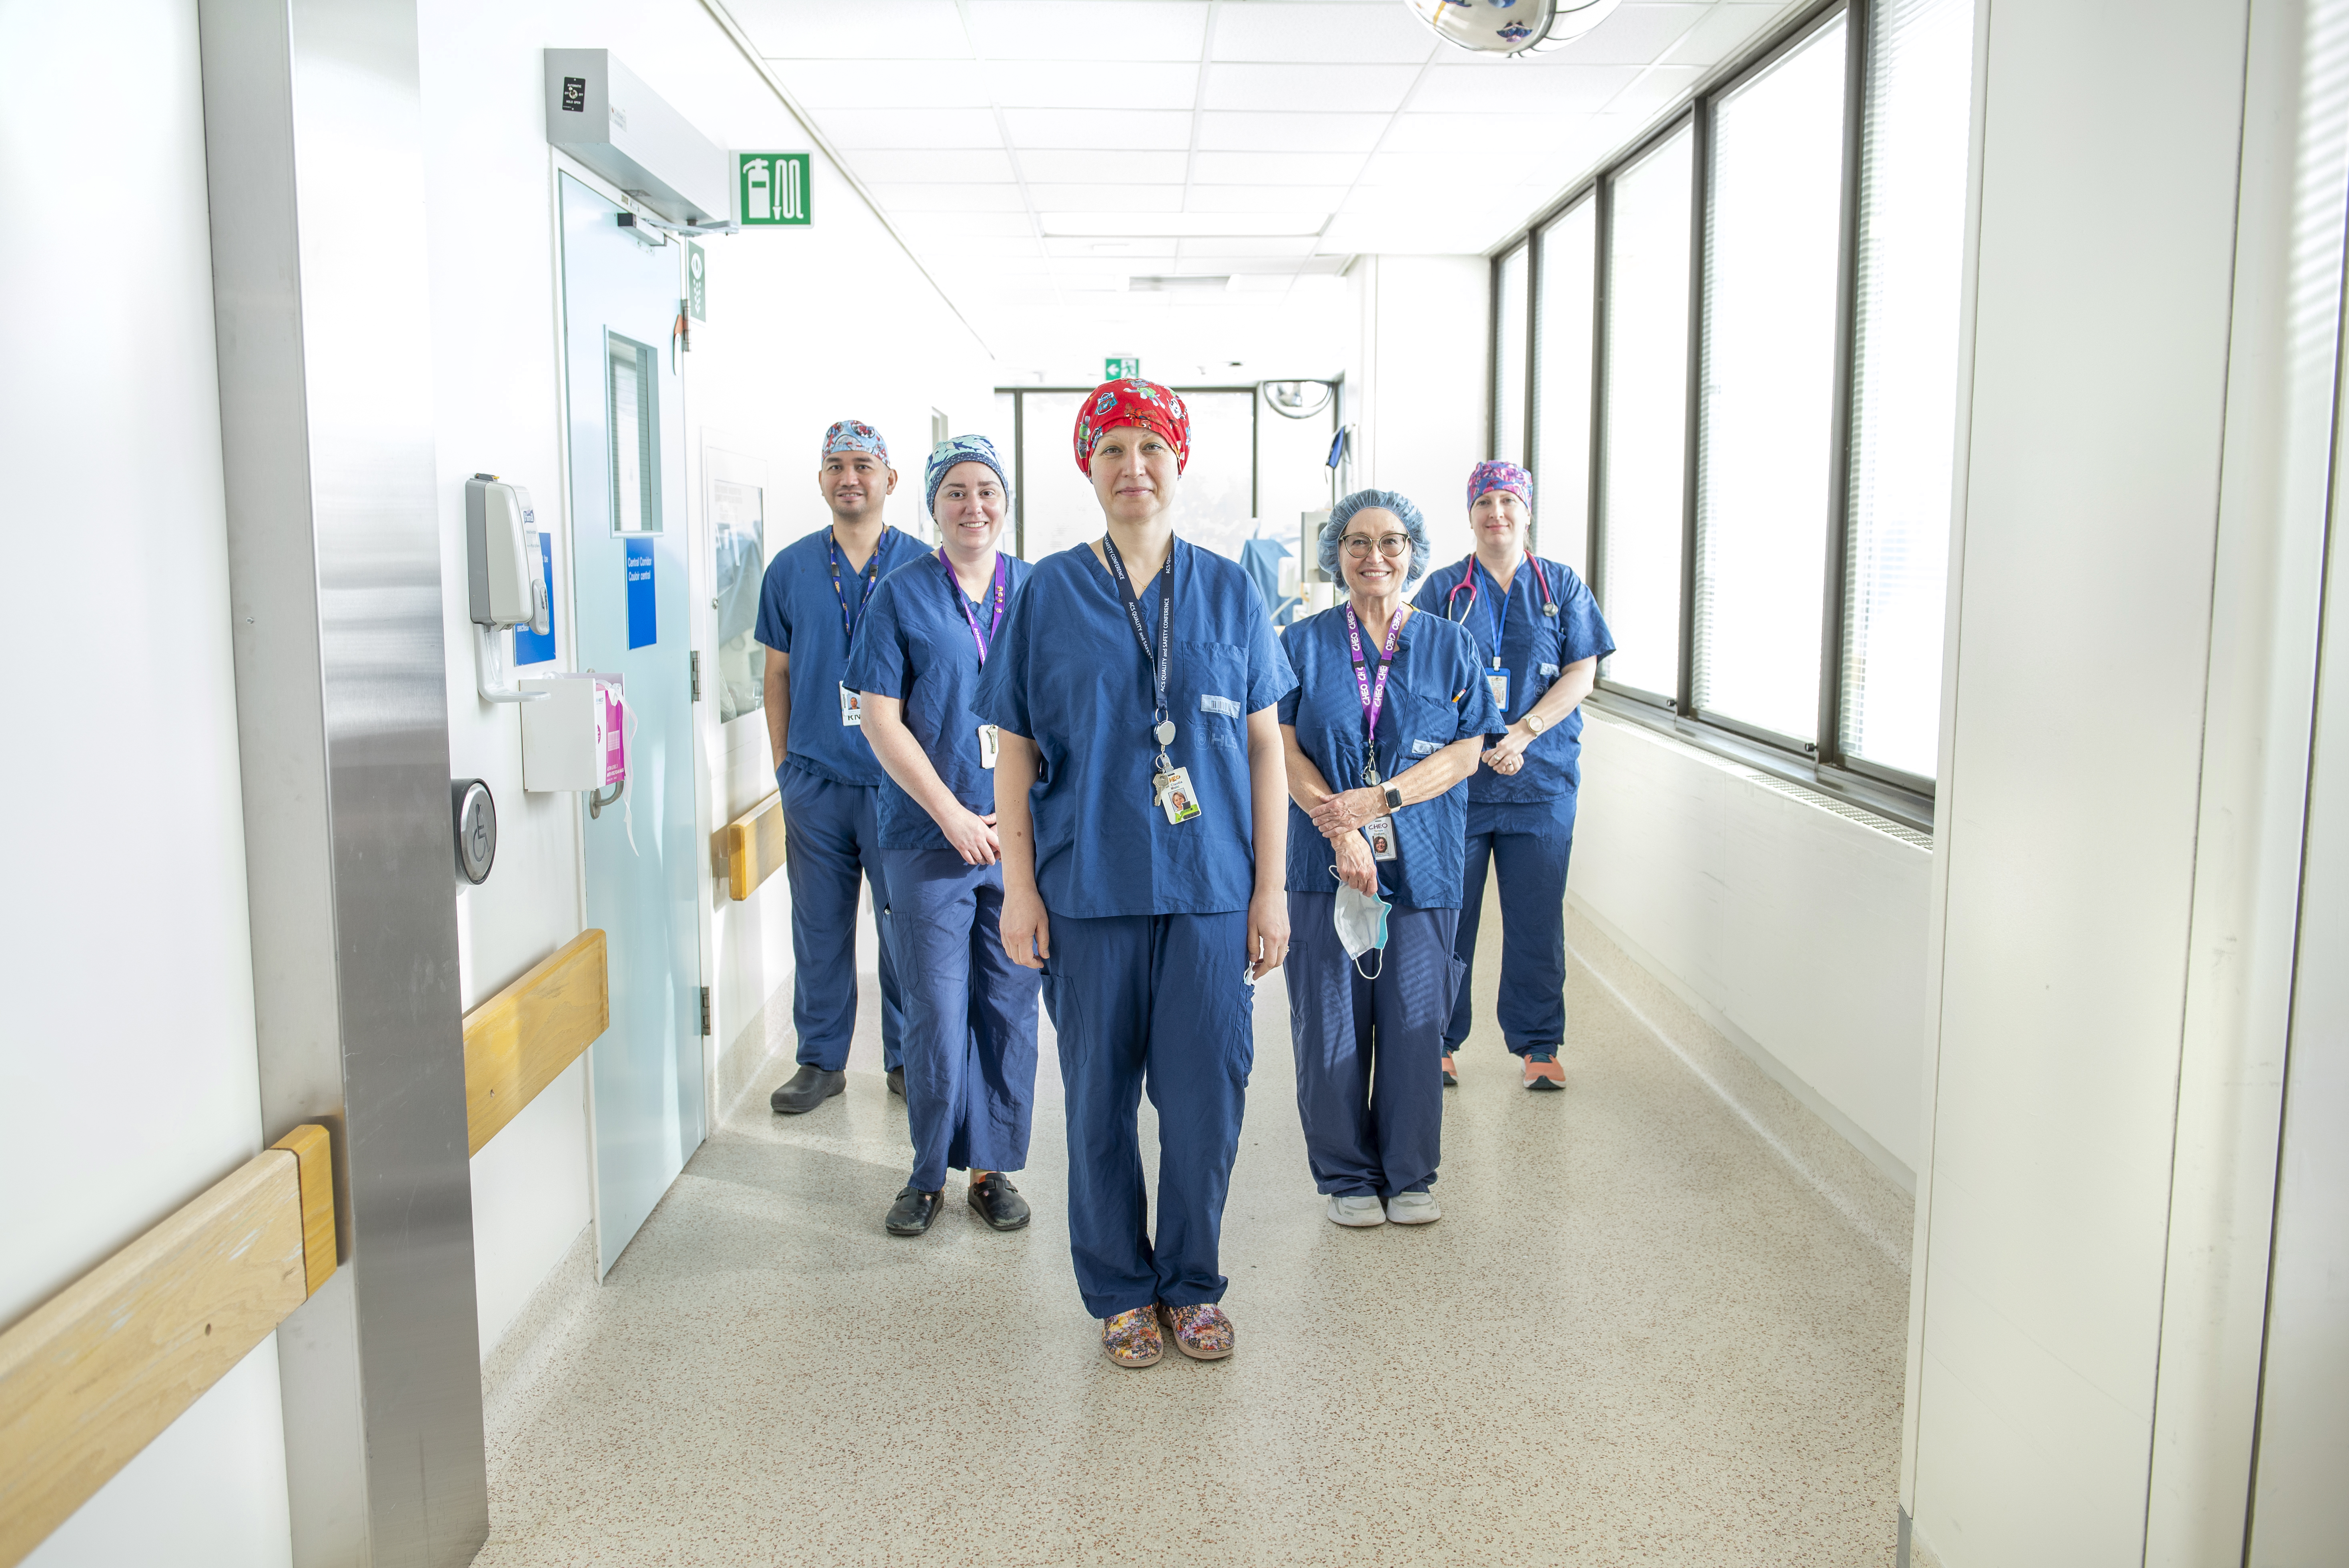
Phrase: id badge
x=1380 y=832
x=987 y=745
x=852 y=708
x=1174 y=795
x=1500 y=681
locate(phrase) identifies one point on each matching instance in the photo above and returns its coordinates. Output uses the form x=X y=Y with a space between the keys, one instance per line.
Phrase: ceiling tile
x=900 y=128
x=1106 y=198
x=877 y=166
x=1109 y=130
x=1071 y=167
x=1157 y=30
x=1515 y=87
x=1723 y=29
x=1005 y=247
x=1068 y=83
x=1276 y=168
x=1372 y=33
x=1431 y=170
x=949 y=198
x=1635 y=35
x=886 y=84
x=1227 y=249
x=1402 y=235
x=1263 y=198
x=1476 y=136
x=1377 y=88
x=1656 y=86
x=1099 y=253
x=1234 y=131
x=997 y=223
x=823 y=29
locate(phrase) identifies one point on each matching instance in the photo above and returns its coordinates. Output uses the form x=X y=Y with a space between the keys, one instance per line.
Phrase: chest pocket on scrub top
x=1424 y=726
x=1207 y=697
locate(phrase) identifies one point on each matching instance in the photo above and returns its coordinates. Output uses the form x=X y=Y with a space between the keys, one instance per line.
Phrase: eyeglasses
x=1390 y=545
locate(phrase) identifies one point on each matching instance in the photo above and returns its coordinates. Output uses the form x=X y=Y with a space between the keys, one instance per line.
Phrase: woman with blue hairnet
x=1387 y=722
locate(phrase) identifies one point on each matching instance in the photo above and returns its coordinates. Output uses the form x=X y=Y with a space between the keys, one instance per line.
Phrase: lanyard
x=871 y=574
x=1467 y=584
x=1373 y=693
x=1163 y=660
x=954 y=592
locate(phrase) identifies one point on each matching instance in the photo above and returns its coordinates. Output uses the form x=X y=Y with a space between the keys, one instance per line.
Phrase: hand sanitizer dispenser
x=508 y=585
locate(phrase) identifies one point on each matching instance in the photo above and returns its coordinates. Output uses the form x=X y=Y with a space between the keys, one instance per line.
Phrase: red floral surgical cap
x=1132 y=401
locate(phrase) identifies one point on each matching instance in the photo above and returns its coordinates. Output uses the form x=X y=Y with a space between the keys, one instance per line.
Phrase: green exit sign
x=1122 y=367
x=771 y=190
x=697 y=281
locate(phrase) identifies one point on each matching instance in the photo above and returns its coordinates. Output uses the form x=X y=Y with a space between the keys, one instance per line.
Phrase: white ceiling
x=1040 y=154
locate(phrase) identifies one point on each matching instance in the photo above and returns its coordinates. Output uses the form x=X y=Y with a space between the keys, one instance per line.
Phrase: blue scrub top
x=914 y=644
x=1070 y=676
x=1435 y=697
x=1533 y=648
x=799 y=614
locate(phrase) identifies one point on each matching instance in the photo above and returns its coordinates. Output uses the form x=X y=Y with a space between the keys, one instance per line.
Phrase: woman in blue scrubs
x=1139 y=807
x=1539 y=638
x=1387 y=722
x=971 y=1011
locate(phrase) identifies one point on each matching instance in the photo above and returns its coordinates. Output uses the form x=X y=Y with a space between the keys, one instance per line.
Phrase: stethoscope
x=1468 y=582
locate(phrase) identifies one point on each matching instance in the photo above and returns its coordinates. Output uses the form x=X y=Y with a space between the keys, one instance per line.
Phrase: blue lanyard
x=871 y=574
x=954 y=592
x=1469 y=570
x=1499 y=612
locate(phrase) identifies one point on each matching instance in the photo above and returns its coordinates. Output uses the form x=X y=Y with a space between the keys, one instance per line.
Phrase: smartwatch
x=1394 y=798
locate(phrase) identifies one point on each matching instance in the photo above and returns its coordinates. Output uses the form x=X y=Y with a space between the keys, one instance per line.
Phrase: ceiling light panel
x=948 y=198
x=1635 y=35
x=925 y=224
x=1070 y=84
x=1506 y=86
x=1276 y=168
x=1235 y=131
x=1368 y=34
x=1097 y=253
x=1107 y=130
x=886 y=84
x=1060 y=30
x=954 y=248
x=1226 y=249
x=1263 y=198
x=928 y=164
x=822 y=29
x=1107 y=198
x=1186 y=225
x=1373 y=89
x=897 y=128
x=1518 y=133
x=1051 y=166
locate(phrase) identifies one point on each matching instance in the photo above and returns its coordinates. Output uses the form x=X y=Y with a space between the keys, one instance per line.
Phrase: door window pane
x=632 y=410
x=1569 y=259
x=1646 y=458
x=1509 y=361
x=1766 y=424
x=1905 y=364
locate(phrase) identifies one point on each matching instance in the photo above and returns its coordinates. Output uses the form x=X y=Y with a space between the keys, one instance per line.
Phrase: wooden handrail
x=753 y=847
x=520 y=1040
x=90 y=1377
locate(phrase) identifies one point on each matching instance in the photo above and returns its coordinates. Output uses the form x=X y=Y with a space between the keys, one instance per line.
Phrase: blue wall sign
x=530 y=648
x=643 y=629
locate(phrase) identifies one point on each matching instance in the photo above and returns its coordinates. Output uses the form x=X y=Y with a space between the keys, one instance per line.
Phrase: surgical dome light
x=1511 y=27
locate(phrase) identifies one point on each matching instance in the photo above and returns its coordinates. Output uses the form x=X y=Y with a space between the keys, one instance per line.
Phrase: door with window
x=629 y=543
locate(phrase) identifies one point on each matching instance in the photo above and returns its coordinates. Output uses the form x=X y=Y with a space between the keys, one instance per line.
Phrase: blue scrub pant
x=1160 y=1000
x=831 y=837
x=1527 y=847
x=970 y=1016
x=1369 y=1072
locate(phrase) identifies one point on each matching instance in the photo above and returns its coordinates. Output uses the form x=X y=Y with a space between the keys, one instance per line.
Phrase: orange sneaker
x=1451 y=1077
x=1131 y=1338
x=1542 y=1071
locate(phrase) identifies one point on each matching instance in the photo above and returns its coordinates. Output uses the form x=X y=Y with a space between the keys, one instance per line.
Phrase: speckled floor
x=1637 y=1337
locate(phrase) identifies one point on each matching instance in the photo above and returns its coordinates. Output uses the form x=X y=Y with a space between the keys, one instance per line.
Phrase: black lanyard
x=1162 y=660
x=871 y=574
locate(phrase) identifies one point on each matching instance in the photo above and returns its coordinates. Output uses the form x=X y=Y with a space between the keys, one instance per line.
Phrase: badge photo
x=1175 y=796
x=852 y=708
x=1380 y=832
x=1500 y=681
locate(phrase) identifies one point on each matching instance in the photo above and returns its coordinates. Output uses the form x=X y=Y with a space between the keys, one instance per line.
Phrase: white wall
x=805 y=327
x=129 y=1081
x=1797 y=933
x=1419 y=391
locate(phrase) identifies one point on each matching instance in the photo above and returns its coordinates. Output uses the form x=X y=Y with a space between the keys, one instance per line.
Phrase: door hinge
x=705 y=1011
x=694 y=663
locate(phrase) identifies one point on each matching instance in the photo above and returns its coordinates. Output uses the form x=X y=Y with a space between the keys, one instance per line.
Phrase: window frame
x=1823 y=763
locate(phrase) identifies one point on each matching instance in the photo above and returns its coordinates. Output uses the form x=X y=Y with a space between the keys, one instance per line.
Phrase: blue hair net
x=1394 y=502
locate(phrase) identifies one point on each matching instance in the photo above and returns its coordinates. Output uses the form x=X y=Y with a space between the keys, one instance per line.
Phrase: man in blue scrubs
x=1539 y=638
x=1135 y=685
x=971 y=1011
x=808 y=608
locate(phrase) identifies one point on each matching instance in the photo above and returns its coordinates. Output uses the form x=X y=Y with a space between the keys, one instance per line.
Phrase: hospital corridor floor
x=1638 y=1335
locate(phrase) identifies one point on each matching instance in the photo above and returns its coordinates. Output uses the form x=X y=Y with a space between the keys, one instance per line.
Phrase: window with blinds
x=1562 y=343
x=1509 y=360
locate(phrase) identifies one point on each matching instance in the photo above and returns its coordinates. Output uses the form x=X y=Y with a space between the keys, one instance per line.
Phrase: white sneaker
x=1413 y=1208
x=1355 y=1209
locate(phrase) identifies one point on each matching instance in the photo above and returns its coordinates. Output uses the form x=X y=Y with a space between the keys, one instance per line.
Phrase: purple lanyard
x=954 y=592
x=871 y=574
x=1373 y=693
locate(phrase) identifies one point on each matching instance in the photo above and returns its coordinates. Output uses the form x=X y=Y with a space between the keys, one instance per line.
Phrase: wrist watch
x=1535 y=723
x=1394 y=797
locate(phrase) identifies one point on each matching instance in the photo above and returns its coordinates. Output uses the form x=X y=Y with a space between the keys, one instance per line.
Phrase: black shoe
x=998 y=1202
x=897 y=1082
x=911 y=1214
x=808 y=1088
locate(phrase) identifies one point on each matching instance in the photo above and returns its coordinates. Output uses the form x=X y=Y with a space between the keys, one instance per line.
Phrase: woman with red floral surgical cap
x=1142 y=810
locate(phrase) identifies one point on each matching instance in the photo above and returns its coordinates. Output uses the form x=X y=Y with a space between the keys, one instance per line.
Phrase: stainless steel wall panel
x=314 y=153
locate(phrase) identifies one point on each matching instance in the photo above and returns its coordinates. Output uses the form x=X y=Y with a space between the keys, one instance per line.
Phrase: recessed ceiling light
x=1180 y=226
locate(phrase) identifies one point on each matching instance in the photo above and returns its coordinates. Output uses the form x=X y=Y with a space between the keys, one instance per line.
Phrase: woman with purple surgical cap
x=1538 y=638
